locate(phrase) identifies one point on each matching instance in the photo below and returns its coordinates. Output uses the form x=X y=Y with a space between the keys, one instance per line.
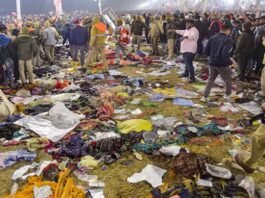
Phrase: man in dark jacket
x=26 y=50
x=79 y=41
x=218 y=50
x=244 y=50
x=137 y=31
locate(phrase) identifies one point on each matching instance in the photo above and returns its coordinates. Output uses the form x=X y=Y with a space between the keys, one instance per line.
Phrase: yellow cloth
x=65 y=187
x=34 y=144
x=88 y=161
x=170 y=92
x=257 y=146
x=137 y=125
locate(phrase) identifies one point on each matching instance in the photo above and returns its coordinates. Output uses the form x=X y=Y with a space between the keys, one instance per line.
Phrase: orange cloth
x=65 y=187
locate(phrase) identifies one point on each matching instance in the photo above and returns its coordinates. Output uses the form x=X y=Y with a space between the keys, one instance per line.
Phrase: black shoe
x=191 y=80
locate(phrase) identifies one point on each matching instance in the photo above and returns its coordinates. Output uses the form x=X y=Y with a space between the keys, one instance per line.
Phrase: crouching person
x=26 y=50
x=257 y=146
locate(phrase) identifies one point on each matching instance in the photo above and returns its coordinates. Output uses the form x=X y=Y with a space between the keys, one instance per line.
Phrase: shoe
x=204 y=99
x=239 y=161
x=184 y=76
x=191 y=80
x=227 y=98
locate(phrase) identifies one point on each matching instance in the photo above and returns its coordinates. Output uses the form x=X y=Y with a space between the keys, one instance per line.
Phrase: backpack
x=124 y=37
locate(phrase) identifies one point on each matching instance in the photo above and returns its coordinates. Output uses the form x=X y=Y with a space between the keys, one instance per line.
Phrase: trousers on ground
x=29 y=68
x=257 y=146
x=100 y=50
x=81 y=49
x=189 y=68
x=226 y=75
x=49 y=50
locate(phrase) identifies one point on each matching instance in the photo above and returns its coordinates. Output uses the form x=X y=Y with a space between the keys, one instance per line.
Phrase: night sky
x=44 y=6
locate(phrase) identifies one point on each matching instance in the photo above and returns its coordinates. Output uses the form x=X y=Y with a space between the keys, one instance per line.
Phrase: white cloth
x=53 y=125
x=152 y=174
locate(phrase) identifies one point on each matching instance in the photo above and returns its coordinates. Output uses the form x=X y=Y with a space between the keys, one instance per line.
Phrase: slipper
x=239 y=161
x=110 y=158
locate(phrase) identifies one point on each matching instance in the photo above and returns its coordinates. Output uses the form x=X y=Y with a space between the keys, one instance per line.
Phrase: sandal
x=239 y=161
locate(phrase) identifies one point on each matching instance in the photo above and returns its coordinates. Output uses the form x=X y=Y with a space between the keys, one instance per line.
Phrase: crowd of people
x=187 y=34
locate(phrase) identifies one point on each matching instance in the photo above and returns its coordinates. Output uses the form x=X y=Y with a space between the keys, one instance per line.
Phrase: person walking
x=218 y=50
x=50 y=38
x=78 y=40
x=26 y=51
x=244 y=50
x=97 y=43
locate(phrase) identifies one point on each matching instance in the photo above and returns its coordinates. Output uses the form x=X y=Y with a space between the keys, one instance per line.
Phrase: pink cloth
x=189 y=44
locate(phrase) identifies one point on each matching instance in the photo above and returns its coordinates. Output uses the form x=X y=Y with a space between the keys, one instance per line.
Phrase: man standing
x=137 y=32
x=244 y=50
x=188 y=48
x=50 y=38
x=26 y=50
x=218 y=50
x=97 y=42
x=78 y=40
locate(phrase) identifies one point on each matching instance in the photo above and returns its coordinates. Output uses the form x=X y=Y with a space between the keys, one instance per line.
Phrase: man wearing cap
x=78 y=40
x=188 y=48
x=26 y=50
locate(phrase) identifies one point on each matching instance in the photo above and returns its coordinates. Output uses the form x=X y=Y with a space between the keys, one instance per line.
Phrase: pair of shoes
x=204 y=99
x=240 y=162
